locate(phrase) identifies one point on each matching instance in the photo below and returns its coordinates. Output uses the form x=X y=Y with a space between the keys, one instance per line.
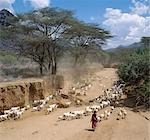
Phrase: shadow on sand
x=92 y=130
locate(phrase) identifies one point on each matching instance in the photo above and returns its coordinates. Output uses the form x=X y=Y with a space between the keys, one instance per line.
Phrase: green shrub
x=134 y=70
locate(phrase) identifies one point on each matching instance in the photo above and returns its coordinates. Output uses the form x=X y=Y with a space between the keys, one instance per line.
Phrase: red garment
x=94 y=121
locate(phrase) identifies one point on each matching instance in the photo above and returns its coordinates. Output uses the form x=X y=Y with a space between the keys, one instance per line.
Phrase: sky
x=127 y=20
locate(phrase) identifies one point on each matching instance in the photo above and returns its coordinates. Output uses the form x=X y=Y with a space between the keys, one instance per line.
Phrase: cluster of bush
x=135 y=71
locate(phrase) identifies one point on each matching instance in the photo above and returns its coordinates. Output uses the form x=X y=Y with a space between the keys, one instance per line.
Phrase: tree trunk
x=54 y=69
x=76 y=60
x=41 y=69
x=49 y=66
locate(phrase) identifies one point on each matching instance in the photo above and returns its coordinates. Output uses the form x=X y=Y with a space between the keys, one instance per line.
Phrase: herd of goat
x=16 y=112
x=109 y=98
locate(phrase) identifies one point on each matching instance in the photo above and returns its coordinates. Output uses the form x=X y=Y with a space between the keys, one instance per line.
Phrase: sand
x=37 y=126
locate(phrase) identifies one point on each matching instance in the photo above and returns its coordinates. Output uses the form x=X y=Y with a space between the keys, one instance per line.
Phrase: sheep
x=23 y=109
x=49 y=110
x=14 y=112
x=108 y=114
x=89 y=86
x=119 y=115
x=68 y=103
x=35 y=108
x=96 y=110
x=124 y=113
x=54 y=106
x=101 y=117
x=108 y=102
x=105 y=112
x=73 y=116
x=98 y=99
x=105 y=103
x=27 y=107
x=61 y=118
x=66 y=114
x=95 y=107
x=8 y=112
x=3 y=117
x=112 y=108
x=36 y=101
x=41 y=101
x=44 y=102
x=88 y=110
x=40 y=106
x=101 y=105
x=98 y=119
x=15 y=108
x=86 y=88
x=47 y=99
x=73 y=88
x=78 y=102
x=116 y=103
x=79 y=113
x=18 y=115
x=69 y=116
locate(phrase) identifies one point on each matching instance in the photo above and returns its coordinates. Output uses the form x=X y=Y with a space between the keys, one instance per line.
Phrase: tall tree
x=85 y=39
x=41 y=31
x=43 y=34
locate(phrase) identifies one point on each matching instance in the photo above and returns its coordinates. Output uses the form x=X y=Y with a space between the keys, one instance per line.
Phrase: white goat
x=3 y=117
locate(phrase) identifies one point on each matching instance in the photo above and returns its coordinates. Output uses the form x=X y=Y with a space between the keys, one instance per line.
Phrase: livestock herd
x=16 y=112
x=109 y=98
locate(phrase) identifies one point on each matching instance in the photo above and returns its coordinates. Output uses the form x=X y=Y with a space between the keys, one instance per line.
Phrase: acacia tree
x=40 y=31
x=85 y=39
x=40 y=36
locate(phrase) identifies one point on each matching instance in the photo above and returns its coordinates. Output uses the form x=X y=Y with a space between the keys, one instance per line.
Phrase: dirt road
x=37 y=126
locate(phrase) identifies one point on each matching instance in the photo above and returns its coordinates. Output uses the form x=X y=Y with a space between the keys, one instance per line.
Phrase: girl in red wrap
x=94 y=120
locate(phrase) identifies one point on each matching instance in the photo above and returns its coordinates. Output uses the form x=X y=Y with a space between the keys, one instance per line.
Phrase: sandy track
x=134 y=127
x=46 y=127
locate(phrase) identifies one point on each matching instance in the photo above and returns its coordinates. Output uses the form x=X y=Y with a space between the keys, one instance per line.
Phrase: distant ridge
x=122 y=47
x=5 y=16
